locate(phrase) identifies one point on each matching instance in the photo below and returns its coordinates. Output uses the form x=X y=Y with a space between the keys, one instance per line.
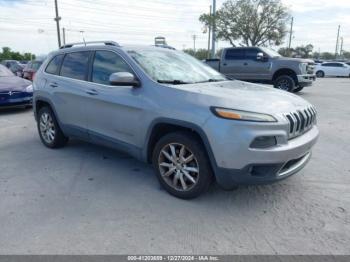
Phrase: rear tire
x=182 y=165
x=298 y=89
x=319 y=74
x=50 y=133
x=285 y=82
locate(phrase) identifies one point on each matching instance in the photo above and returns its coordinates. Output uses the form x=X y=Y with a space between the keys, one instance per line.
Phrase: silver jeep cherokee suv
x=166 y=108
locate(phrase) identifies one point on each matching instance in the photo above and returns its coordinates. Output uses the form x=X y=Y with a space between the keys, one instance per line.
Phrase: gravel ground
x=85 y=199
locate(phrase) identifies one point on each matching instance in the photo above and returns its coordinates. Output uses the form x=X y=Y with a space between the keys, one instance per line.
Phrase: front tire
x=50 y=133
x=182 y=165
x=285 y=83
x=298 y=89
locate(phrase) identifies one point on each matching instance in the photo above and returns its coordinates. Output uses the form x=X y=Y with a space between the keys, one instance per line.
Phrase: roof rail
x=89 y=43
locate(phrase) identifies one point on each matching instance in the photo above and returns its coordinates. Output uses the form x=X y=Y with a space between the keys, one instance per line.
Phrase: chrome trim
x=296 y=167
x=300 y=121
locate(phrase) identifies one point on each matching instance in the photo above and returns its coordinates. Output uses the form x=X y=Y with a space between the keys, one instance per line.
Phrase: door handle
x=224 y=64
x=53 y=85
x=92 y=92
x=245 y=63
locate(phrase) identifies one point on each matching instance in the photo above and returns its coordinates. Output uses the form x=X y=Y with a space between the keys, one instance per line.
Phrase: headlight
x=29 y=89
x=303 y=67
x=242 y=115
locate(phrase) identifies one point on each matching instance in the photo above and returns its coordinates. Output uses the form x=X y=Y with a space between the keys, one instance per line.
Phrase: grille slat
x=301 y=121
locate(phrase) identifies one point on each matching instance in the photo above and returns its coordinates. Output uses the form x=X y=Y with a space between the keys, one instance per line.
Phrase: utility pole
x=57 y=19
x=194 y=43
x=209 y=34
x=337 y=43
x=341 y=46
x=214 y=31
x=64 y=35
x=290 y=33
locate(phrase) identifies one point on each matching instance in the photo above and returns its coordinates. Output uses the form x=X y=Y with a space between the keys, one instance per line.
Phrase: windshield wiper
x=173 y=82
x=211 y=80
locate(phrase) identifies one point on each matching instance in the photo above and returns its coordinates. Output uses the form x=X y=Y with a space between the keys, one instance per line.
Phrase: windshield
x=5 y=72
x=36 y=65
x=174 y=67
x=270 y=52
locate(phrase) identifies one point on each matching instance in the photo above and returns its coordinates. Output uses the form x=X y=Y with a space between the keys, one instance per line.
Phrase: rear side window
x=75 y=65
x=235 y=54
x=105 y=64
x=54 y=65
x=332 y=65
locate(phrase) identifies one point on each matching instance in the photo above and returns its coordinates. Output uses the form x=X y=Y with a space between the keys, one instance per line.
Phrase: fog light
x=264 y=142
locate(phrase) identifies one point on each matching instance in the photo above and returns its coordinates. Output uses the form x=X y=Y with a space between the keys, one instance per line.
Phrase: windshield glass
x=5 y=72
x=36 y=65
x=270 y=52
x=170 y=66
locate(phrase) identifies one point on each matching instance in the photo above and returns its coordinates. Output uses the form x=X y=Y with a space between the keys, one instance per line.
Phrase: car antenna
x=82 y=34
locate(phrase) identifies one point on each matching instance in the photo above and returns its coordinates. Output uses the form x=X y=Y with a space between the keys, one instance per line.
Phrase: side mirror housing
x=123 y=79
x=260 y=57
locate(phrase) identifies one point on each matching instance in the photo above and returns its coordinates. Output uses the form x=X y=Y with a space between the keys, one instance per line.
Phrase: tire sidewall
x=320 y=74
x=287 y=78
x=192 y=143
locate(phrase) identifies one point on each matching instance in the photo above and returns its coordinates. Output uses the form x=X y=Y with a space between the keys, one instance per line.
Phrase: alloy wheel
x=283 y=85
x=178 y=166
x=47 y=128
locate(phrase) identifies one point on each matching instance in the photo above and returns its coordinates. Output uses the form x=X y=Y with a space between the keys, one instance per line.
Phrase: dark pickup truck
x=258 y=64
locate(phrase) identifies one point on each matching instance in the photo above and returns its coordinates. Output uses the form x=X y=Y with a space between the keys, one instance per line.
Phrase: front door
x=114 y=112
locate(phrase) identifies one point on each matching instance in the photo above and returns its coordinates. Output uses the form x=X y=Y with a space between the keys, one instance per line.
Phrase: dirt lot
x=84 y=199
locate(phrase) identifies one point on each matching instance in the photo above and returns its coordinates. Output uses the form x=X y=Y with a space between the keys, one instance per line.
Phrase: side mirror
x=260 y=57
x=123 y=79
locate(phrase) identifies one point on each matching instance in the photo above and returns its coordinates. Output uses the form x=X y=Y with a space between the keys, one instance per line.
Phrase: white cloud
x=139 y=21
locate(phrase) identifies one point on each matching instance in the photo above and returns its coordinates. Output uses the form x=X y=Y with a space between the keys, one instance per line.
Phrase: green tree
x=250 y=22
x=346 y=55
x=200 y=54
x=327 y=56
x=8 y=54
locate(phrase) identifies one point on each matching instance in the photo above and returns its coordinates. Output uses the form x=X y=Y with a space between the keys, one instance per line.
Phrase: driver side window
x=106 y=63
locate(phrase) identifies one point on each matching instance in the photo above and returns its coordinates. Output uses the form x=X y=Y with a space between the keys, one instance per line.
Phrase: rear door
x=330 y=69
x=232 y=63
x=69 y=90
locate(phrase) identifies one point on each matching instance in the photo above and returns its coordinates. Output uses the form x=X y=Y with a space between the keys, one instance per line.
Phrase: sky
x=28 y=25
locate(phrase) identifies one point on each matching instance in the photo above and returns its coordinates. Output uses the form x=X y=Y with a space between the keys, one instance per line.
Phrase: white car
x=332 y=69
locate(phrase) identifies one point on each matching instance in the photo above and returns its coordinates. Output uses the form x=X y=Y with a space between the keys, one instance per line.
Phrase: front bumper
x=17 y=99
x=238 y=164
x=306 y=80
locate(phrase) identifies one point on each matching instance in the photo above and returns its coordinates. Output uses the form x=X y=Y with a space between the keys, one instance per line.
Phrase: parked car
x=14 y=91
x=9 y=63
x=31 y=68
x=17 y=69
x=167 y=108
x=333 y=69
x=265 y=65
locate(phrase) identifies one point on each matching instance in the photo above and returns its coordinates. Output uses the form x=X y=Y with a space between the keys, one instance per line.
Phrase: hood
x=13 y=83
x=245 y=96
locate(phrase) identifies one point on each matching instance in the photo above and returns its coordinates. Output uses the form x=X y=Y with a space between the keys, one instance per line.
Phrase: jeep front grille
x=301 y=121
